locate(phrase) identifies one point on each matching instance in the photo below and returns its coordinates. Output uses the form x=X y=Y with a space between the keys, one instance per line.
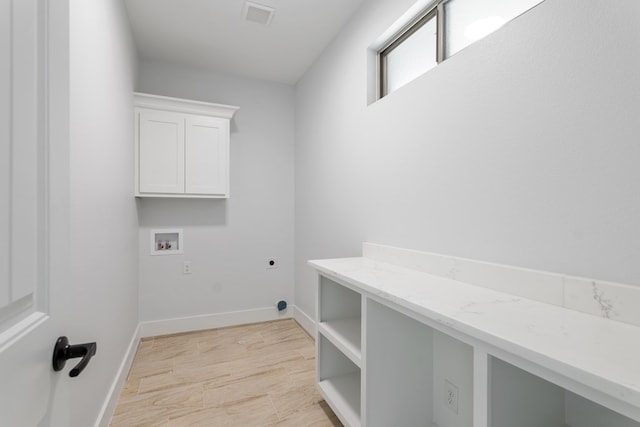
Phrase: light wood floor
x=255 y=375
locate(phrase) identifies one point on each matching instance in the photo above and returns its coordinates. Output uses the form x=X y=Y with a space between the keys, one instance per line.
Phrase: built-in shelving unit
x=339 y=381
x=399 y=347
x=339 y=343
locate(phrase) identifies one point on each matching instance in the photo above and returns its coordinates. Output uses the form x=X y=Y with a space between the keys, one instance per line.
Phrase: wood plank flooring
x=254 y=375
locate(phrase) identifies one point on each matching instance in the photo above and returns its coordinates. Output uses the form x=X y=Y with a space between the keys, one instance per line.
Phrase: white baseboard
x=109 y=405
x=305 y=321
x=210 y=321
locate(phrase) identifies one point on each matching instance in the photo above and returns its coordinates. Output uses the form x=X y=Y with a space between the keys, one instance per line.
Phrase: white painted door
x=161 y=152
x=31 y=275
x=207 y=155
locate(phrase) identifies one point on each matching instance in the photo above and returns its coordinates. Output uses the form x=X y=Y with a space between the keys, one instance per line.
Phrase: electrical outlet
x=271 y=263
x=451 y=396
x=186 y=267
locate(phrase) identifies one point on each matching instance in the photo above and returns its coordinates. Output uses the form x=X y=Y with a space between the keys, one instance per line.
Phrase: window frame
x=433 y=11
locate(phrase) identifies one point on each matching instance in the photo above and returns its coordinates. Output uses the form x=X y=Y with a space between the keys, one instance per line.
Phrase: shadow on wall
x=185 y=212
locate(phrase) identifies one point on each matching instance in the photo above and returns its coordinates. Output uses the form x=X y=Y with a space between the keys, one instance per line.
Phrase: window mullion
x=440 y=32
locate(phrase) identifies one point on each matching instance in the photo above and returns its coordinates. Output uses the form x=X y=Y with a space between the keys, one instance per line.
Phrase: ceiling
x=213 y=35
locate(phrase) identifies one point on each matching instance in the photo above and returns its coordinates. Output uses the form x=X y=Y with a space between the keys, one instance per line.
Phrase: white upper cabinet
x=182 y=147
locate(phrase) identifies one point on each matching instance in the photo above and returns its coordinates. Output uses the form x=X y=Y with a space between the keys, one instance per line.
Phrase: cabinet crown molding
x=166 y=103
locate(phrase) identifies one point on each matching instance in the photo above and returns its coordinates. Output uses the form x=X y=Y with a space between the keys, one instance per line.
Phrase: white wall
x=521 y=149
x=103 y=223
x=227 y=241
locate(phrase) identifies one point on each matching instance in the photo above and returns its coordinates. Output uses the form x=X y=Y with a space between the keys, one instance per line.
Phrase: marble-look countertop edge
x=501 y=307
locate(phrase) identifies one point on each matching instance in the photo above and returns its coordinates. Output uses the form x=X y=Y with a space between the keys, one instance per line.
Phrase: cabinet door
x=161 y=152
x=207 y=155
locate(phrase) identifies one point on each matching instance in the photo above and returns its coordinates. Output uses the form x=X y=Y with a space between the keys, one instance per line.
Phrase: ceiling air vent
x=259 y=13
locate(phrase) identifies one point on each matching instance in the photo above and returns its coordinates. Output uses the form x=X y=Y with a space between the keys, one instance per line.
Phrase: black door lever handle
x=63 y=352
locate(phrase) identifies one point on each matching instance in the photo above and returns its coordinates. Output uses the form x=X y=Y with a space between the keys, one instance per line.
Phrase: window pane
x=412 y=57
x=467 y=20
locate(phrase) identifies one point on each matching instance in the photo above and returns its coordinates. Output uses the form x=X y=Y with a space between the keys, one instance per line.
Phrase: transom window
x=437 y=31
x=413 y=53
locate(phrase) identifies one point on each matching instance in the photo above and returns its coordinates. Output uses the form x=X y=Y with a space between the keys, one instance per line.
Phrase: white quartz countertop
x=597 y=352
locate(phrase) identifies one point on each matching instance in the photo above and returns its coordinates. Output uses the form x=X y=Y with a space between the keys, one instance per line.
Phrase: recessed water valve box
x=166 y=241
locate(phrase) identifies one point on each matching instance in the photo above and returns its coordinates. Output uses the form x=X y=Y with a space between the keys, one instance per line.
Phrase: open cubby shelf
x=339 y=381
x=344 y=334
